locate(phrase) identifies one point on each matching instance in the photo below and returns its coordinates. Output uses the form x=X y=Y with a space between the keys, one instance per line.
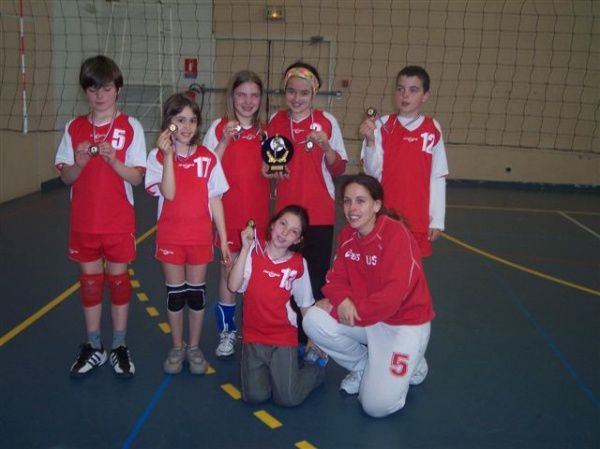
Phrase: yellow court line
x=520 y=267
x=165 y=327
x=521 y=209
x=37 y=315
x=152 y=311
x=268 y=419
x=231 y=391
x=56 y=301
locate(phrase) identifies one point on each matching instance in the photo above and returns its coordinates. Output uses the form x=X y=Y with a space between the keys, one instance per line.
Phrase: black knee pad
x=176 y=295
x=196 y=296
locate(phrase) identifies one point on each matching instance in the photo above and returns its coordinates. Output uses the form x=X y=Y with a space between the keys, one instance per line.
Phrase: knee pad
x=92 y=287
x=176 y=295
x=195 y=296
x=119 y=287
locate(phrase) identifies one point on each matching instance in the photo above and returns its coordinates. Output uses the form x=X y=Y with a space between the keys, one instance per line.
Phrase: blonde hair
x=236 y=80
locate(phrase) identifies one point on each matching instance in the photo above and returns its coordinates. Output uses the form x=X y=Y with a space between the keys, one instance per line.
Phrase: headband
x=304 y=73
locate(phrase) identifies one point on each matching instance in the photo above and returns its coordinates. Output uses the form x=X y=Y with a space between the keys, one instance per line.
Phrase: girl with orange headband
x=319 y=154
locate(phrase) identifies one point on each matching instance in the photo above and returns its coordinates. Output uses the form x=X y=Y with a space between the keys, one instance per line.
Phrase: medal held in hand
x=371 y=112
x=93 y=150
x=277 y=151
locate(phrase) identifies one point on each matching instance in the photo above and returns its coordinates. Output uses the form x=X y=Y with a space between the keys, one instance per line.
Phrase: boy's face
x=410 y=96
x=102 y=99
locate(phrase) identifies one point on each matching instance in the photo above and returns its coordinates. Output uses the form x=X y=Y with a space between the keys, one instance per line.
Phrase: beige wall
x=26 y=160
x=514 y=83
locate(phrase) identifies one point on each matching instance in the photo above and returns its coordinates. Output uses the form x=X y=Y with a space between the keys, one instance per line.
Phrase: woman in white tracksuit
x=375 y=318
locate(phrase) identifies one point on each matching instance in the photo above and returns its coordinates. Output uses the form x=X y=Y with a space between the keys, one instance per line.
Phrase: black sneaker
x=88 y=359
x=121 y=362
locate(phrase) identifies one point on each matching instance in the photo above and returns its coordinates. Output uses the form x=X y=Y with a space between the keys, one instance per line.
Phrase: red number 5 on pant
x=399 y=365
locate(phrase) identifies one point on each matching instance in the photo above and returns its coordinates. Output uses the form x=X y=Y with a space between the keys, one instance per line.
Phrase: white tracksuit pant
x=392 y=357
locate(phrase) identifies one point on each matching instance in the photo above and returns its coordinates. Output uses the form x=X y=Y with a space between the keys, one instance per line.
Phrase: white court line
x=581 y=225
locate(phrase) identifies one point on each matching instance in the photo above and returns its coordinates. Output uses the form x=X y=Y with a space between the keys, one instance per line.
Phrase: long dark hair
x=299 y=212
x=174 y=105
x=375 y=189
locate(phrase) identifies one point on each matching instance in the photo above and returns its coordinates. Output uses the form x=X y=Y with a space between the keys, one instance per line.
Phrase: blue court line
x=549 y=341
x=147 y=411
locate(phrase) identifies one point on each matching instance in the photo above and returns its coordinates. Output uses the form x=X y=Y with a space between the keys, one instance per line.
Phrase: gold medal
x=172 y=127
x=251 y=223
x=93 y=150
x=371 y=112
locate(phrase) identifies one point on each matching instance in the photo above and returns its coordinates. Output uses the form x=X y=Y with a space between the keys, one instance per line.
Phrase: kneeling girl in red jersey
x=269 y=274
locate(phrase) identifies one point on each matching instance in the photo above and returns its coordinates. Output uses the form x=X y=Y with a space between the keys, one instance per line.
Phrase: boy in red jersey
x=101 y=155
x=406 y=152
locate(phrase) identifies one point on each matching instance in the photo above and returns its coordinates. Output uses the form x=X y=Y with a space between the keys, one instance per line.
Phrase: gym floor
x=514 y=354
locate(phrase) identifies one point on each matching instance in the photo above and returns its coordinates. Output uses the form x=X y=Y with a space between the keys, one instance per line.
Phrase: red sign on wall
x=190 y=68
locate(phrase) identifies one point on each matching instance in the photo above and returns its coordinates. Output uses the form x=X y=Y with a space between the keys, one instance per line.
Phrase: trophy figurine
x=277 y=151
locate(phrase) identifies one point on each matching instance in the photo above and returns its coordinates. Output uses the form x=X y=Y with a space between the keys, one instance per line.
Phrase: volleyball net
x=514 y=73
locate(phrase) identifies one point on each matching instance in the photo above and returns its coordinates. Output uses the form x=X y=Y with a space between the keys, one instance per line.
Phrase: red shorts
x=424 y=243
x=117 y=248
x=184 y=254
x=234 y=240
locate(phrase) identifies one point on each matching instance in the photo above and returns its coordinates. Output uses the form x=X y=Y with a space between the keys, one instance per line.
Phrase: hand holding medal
x=367 y=127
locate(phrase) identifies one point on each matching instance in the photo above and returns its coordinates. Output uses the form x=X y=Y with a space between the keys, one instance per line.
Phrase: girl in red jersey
x=101 y=155
x=236 y=139
x=189 y=181
x=319 y=154
x=269 y=274
x=375 y=320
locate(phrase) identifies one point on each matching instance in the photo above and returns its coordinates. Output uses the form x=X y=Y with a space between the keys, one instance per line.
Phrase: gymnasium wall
x=514 y=83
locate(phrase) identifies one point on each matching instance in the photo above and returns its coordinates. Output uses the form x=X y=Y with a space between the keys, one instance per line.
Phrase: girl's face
x=186 y=122
x=286 y=231
x=298 y=97
x=246 y=100
x=410 y=96
x=360 y=208
x=103 y=99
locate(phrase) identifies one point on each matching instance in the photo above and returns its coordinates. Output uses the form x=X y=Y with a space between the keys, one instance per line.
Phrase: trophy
x=93 y=150
x=277 y=151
